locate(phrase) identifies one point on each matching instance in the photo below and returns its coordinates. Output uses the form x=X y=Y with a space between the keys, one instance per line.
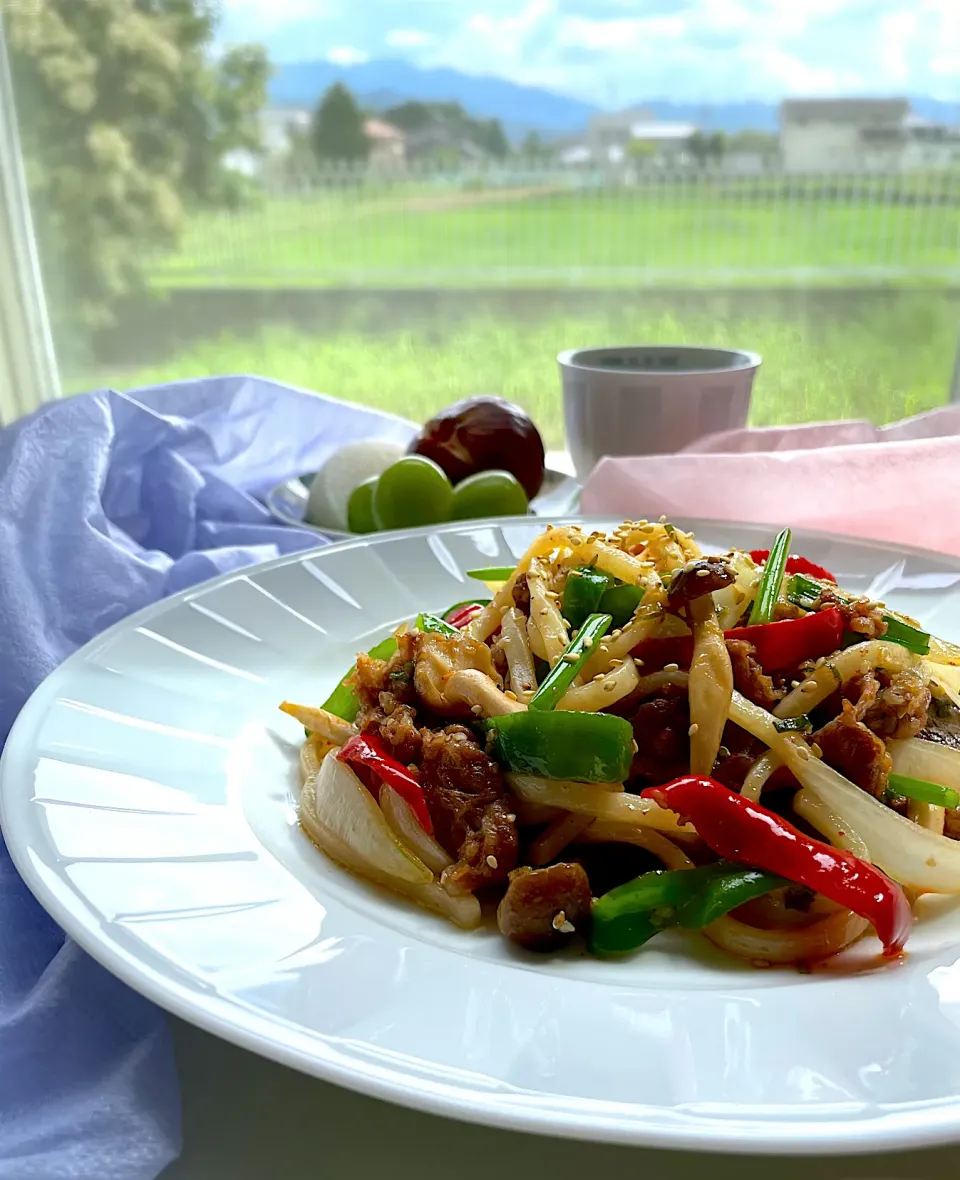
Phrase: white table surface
x=245 y=1118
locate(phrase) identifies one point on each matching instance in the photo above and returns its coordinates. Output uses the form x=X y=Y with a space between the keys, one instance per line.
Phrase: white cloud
x=408 y=38
x=622 y=51
x=346 y=55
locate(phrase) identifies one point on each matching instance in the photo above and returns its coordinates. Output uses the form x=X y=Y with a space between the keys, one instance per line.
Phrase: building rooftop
x=845 y=110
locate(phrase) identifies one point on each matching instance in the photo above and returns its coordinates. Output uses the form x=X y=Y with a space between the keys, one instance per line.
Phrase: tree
x=337 y=132
x=126 y=122
x=707 y=148
x=533 y=147
x=491 y=138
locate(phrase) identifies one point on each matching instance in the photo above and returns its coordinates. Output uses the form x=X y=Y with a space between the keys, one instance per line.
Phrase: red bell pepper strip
x=778 y=645
x=749 y=834
x=463 y=614
x=365 y=750
x=797 y=565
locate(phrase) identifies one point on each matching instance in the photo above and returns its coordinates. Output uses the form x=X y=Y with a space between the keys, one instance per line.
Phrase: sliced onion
x=829 y=824
x=854 y=661
x=463 y=910
x=605 y=831
x=403 y=823
x=523 y=677
x=758 y=774
x=929 y=761
x=343 y=806
x=927 y=815
x=603 y=801
x=910 y=854
x=802 y=944
x=560 y=832
x=601 y=694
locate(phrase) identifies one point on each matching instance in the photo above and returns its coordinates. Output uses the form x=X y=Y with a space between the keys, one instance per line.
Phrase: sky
x=615 y=52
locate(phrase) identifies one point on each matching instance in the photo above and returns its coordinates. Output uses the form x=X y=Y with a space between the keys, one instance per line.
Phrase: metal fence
x=535 y=224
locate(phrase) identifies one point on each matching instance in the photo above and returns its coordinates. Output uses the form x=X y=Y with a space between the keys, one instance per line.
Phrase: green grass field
x=415 y=236
x=879 y=362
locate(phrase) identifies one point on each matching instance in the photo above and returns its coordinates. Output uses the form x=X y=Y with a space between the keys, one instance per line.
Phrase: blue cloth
x=108 y=502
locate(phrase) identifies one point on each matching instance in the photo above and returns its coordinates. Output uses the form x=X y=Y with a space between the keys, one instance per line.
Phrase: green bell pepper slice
x=583 y=747
x=582 y=592
x=621 y=602
x=343 y=701
x=434 y=624
x=630 y=915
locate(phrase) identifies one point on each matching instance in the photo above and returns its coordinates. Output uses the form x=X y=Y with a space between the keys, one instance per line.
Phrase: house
x=931 y=145
x=638 y=134
x=388 y=145
x=843 y=134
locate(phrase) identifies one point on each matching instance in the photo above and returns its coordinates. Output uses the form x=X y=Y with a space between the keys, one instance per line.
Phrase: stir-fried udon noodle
x=631 y=736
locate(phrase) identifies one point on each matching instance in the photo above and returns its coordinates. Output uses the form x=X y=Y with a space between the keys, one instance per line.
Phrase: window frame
x=28 y=365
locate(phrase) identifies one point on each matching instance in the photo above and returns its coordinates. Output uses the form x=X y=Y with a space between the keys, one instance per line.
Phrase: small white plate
x=148 y=798
x=287 y=502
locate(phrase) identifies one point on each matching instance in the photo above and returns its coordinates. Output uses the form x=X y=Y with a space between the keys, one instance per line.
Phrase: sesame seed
x=511 y=818
x=616 y=663
x=634 y=748
x=588 y=642
x=808 y=687
x=476 y=710
x=694 y=729
x=493 y=862
x=569 y=658
x=671 y=667
x=558 y=920
x=803 y=753
x=931 y=861
x=663 y=520
x=794 y=683
x=567 y=928
x=610 y=686
x=510 y=694
x=544 y=610
x=616 y=634
x=702 y=573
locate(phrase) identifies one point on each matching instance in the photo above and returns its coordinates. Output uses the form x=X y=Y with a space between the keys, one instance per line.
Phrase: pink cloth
x=898 y=483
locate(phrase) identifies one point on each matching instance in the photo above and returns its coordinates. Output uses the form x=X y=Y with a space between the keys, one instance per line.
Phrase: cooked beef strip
x=661 y=728
x=466 y=797
x=521 y=595
x=862 y=618
x=463 y=786
x=543 y=908
x=942 y=724
x=749 y=677
x=856 y=751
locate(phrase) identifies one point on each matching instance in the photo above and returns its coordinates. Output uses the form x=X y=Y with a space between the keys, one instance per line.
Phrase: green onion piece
x=493 y=573
x=769 y=589
x=567 y=668
x=909 y=637
x=923 y=792
x=307 y=732
x=343 y=701
x=805 y=592
x=801 y=724
x=435 y=625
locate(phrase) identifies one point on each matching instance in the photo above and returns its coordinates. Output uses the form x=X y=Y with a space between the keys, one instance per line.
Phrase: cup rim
x=746 y=360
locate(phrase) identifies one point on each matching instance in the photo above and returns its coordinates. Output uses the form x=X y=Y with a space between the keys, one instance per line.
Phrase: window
x=407 y=202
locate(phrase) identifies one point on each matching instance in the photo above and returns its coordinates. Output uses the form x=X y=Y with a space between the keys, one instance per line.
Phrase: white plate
x=148 y=800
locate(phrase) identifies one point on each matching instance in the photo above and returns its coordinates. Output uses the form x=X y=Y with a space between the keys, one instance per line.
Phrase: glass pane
x=335 y=195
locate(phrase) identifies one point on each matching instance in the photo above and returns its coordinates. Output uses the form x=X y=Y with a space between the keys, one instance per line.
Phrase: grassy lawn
x=879 y=362
x=418 y=237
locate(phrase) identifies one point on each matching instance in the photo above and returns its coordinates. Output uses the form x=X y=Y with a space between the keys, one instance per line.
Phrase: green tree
x=126 y=121
x=491 y=138
x=337 y=132
x=533 y=147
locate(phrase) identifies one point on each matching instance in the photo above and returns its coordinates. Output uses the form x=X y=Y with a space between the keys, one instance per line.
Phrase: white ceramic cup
x=650 y=399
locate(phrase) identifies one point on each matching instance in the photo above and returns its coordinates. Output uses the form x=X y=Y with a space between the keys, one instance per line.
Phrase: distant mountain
x=383 y=83
x=380 y=84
